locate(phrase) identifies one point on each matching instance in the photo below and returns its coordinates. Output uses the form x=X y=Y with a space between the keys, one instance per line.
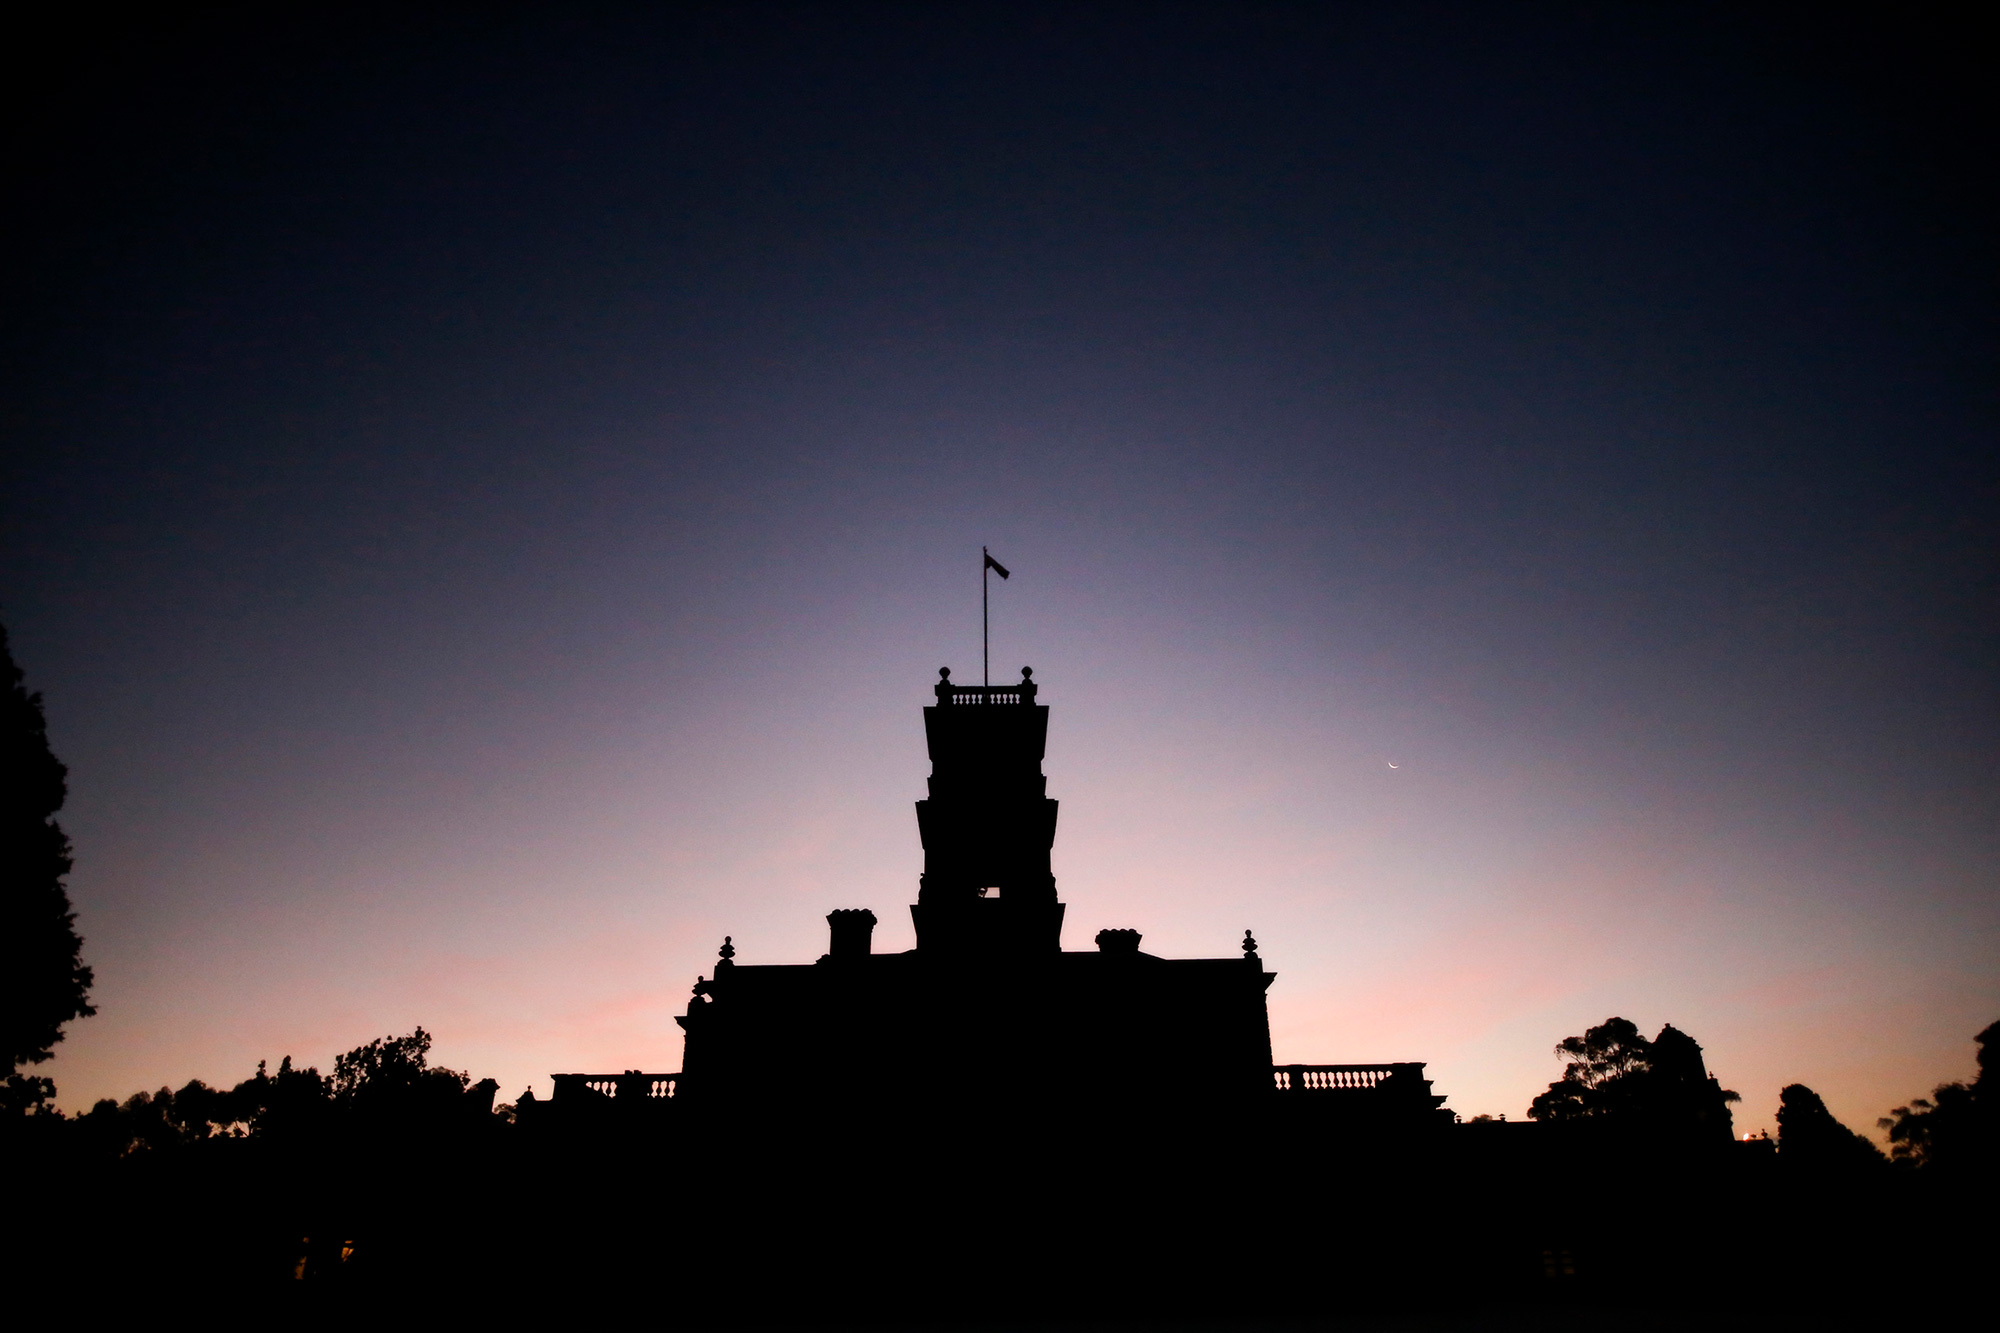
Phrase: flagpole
x=985 y=637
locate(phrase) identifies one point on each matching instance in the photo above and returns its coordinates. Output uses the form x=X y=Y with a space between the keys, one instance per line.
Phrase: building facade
x=989 y=1021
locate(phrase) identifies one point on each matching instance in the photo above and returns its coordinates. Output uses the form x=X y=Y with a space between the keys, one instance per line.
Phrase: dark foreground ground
x=1197 y=1226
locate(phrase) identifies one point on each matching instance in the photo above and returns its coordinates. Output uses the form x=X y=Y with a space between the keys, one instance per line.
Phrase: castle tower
x=988 y=825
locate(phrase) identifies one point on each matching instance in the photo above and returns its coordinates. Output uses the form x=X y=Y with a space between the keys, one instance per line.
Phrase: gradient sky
x=486 y=499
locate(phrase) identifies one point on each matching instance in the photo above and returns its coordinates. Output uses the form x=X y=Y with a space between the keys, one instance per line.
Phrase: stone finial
x=944 y=686
x=725 y=956
x=1028 y=685
x=1118 y=941
x=1249 y=945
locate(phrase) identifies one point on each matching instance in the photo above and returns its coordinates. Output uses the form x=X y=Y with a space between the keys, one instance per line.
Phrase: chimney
x=853 y=932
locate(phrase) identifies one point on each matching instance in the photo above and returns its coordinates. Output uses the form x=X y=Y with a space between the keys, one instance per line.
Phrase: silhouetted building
x=989 y=1020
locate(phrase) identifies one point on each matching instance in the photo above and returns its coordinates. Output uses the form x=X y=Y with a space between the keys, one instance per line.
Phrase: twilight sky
x=485 y=500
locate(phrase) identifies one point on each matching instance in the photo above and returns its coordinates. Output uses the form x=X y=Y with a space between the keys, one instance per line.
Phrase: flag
x=995 y=565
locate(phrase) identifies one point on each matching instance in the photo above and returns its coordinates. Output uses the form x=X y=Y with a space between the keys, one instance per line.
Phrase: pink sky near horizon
x=1468 y=908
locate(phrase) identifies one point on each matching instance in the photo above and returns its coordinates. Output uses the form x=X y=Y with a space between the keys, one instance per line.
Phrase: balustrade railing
x=985 y=694
x=630 y=1085
x=1336 y=1078
x=635 y=1088
x=1284 y=1078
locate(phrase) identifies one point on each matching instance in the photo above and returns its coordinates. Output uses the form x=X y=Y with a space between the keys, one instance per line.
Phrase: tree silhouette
x=389 y=1065
x=1598 y=1079
x=43 y=980
x=1956 y=1128
x=1614 y=1072
x=1808 y=1135
x=390 y=1083
x=292 y=1105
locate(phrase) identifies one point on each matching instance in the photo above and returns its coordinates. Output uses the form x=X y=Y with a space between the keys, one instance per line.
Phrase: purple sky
x=485 y=505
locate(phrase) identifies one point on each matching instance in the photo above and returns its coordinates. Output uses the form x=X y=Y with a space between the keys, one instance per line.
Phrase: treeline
x=1659 y=1088
x=386 y=1088
x=1615 y=1076
x=382 y=1174
x=390 y=1174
